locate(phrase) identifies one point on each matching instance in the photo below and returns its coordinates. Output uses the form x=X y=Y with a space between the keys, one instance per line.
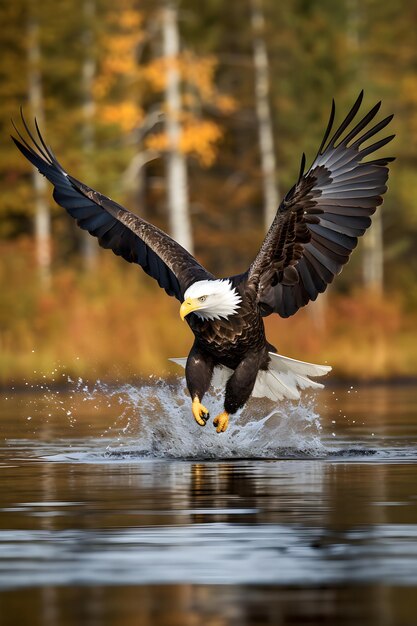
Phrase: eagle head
x=210 y=300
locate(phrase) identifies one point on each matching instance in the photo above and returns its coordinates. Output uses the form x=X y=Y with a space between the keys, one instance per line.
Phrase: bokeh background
x=202 y=110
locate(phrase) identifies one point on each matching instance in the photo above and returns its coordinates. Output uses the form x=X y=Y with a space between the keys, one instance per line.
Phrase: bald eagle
x=314 y=231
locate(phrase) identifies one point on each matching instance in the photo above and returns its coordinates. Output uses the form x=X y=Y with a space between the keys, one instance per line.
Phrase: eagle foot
x=200 y=412
x=221 y=422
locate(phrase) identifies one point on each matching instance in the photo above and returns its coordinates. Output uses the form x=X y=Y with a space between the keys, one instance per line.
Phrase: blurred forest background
x=195 y=115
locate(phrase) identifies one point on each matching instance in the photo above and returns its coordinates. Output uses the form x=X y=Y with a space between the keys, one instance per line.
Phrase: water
x=116 y=508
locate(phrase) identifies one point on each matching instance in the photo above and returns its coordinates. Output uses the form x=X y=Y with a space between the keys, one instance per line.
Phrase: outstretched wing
x=319 y=221
x=128 y=235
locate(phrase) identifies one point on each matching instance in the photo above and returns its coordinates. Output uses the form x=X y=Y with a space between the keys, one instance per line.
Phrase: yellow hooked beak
x=188 y=306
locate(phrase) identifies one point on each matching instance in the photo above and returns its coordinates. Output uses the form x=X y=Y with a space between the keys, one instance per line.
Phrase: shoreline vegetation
x=115 y=324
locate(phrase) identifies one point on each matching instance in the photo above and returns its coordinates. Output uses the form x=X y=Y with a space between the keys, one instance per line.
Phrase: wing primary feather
x=375 y=146
x=375 y=129
x=48 y=150
x=384 y=161
x=328 y=129
x=362 y=124
x=35 y=143
x=22 y=139
x=350 y=116
x=302 y=166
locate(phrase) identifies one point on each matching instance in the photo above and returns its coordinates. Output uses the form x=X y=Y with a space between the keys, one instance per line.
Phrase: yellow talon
x=200 y=412
x=221 y=421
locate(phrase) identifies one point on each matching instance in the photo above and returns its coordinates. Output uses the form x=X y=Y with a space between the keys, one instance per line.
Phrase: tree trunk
x=373 y=241
x=89 y=244
x=373 y=255
x=263 y=111
x=42 y=212
x=177 y=184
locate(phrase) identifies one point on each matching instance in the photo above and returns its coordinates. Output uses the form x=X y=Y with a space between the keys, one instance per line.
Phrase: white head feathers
x=217 y=297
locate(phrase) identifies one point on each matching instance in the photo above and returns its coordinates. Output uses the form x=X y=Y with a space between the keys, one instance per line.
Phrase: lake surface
x=117 y=509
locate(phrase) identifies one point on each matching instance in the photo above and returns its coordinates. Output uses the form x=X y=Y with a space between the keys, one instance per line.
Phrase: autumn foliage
x=112 y=320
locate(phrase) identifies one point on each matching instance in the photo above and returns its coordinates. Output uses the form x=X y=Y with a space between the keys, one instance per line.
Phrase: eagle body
x=229 y=340
x=237 y=343
x=315 y=230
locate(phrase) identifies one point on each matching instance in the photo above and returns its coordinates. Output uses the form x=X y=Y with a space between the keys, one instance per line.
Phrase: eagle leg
x=239 y=387
x=200 y=412
x=198 y=373
x=221 y=422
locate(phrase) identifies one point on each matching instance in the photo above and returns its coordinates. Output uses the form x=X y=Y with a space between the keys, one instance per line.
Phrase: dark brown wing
x=319 y=221
x=115 y=227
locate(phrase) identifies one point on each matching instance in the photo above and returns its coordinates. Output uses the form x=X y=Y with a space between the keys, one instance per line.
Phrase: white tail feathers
x=182 y=361
x=284 y=377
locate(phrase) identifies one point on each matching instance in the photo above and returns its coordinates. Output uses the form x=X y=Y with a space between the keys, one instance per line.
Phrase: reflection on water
x=310 y=519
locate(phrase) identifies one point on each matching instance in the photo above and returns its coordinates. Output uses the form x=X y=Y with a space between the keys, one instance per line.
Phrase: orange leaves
x=226 y=104
x=155 y=73
x=122 y=83
x=130 y=19
x=197 y=75
x=198 y=137
x=119 y=71
x=199 y=72
x=127 y=115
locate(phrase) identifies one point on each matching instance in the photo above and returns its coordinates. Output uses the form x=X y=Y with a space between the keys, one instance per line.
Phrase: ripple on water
x=227 y=554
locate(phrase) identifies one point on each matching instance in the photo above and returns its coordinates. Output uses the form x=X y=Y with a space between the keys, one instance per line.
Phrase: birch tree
x=373 y=240
x=42 y=212
x=177 y=180
x=88 y=71
x=263 y=112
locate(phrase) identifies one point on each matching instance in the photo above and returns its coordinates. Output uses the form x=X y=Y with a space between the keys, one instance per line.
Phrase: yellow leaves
x=119 y=64
x=155 y=73
x=199 y=71
x=119 y=72
x=120 y=76
x=124 y=34
x=196 y=73
x=198 y=137
x=126 y=114
x=130 y=19
x=226 y=104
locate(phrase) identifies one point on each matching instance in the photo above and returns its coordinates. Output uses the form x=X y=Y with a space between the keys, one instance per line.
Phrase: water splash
x=155 y=421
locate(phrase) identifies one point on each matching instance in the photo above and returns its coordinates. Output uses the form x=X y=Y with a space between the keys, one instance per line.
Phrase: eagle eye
x=202 y=298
